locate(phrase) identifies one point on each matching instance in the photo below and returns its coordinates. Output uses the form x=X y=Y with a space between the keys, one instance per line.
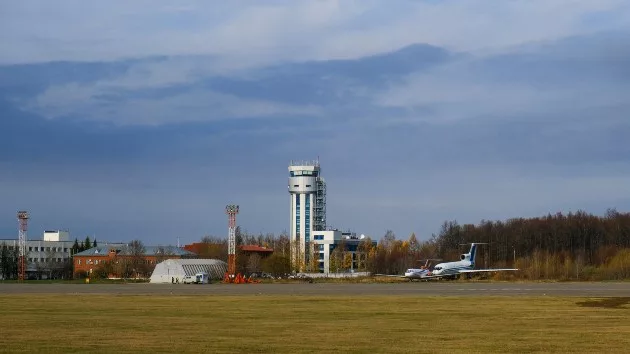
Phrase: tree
x=297 y=256
x=335 y=260
x=76 y=248
x=254 y=263
x=347 y=261
x=8 y=262
x=94 y=243
x=277 y=265
x=87 y=244
x=137 y=253
x=163 y=253
x=314 y=258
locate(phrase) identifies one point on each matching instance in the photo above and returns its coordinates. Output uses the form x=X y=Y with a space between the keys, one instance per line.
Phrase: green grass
x=323 y=324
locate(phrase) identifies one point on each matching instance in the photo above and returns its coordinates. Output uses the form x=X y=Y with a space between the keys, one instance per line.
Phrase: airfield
x=410 y=317
x=579 y=289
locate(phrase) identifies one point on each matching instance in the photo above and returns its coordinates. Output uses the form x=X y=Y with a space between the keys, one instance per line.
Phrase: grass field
x=292 y=324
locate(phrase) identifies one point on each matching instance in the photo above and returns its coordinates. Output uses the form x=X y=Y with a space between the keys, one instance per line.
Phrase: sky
x=143 y=119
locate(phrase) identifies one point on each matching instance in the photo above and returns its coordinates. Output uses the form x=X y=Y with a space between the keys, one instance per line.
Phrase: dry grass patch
x=290 y=324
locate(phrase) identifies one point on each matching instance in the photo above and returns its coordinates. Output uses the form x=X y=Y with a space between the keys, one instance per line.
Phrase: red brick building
x=121 y=261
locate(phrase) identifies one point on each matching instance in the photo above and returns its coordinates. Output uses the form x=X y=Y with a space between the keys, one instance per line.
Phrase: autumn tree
x=254 y=263
x=314 y=258
x=277 y=265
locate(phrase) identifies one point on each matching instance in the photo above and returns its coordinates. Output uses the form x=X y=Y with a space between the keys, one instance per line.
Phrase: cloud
x=246 y=34
x=554 y=81
x=135 y=99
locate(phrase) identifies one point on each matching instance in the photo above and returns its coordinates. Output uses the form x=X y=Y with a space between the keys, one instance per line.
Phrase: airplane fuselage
x=451 y=268
x=416 y=273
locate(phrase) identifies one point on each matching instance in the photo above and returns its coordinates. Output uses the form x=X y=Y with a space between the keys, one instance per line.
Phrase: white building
x=307 y=189
x=56 y=236
x=43 y=256
x=325 y=243
x=174 y=270
x=47 y=256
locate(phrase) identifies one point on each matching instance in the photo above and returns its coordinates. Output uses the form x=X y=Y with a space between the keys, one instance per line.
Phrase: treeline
x=82 y=246
x=572 y=246
x=277 y=264
x=556 y=246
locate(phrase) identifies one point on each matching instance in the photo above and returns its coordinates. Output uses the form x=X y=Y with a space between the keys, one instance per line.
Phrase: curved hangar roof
x=165 y=271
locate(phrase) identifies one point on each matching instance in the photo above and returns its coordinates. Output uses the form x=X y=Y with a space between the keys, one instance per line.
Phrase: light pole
x=514 y=249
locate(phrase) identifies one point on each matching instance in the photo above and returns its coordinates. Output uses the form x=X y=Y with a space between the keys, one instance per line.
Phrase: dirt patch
x=610 y=303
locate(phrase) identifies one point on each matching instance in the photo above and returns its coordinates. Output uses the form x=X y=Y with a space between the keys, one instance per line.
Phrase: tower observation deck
x=307 y=189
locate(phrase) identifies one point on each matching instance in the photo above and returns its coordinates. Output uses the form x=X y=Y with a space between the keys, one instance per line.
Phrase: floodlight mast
x=23 y=222
x=231 y=210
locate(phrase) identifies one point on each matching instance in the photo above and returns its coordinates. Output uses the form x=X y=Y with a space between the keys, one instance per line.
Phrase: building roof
x=169 y=269
x=254 y=248
x=125 y=250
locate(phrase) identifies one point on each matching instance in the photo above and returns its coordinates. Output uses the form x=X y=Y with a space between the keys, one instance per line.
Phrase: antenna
x=23 y=221
x=231 y=210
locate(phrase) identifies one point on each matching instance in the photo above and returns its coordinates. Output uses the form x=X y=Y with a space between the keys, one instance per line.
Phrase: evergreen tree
x=76 y=248
x=94 y=244
x=87 y=244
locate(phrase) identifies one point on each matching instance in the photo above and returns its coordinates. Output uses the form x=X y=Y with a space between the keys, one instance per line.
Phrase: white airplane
x=450 y=269
x=419 y=273
x=464 y=266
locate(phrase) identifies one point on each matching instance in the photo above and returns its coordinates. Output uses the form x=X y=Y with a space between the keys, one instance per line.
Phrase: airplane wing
x=487 y=270
x=389 y=275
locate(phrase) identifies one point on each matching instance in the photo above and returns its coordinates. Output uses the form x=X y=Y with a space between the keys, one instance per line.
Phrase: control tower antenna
x=23 y=221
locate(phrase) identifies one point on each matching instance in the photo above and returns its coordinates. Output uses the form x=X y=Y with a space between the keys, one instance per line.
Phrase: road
x=585 y=289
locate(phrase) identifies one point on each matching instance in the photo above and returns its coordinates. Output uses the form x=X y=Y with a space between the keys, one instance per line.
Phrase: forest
x=573 y=246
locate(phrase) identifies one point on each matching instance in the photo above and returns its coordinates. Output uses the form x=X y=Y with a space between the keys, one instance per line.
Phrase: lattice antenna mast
x=23 y=221
x=231 y=211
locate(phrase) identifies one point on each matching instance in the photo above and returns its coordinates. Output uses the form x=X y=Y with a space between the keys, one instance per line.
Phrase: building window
x=297 y=214
x=319 y=237
x=307 y=220
x=30 y=249
x=321 y=247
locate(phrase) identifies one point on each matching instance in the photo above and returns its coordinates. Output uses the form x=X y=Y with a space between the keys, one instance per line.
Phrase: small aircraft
x=420 y=273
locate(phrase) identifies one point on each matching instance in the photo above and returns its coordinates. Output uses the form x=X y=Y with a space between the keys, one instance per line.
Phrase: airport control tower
x=308 y=205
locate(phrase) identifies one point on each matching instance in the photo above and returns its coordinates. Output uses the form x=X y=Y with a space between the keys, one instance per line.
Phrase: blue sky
x=144 y=119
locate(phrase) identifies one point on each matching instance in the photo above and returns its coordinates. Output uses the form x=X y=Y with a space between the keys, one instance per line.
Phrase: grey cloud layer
x=246 y=34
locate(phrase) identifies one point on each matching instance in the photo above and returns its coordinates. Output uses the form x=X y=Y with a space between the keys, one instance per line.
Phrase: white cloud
x=248 y=33
x=199 y=105
x=534 y=81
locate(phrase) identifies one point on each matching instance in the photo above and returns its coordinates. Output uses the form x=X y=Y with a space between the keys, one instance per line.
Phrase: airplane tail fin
x=473 y=253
